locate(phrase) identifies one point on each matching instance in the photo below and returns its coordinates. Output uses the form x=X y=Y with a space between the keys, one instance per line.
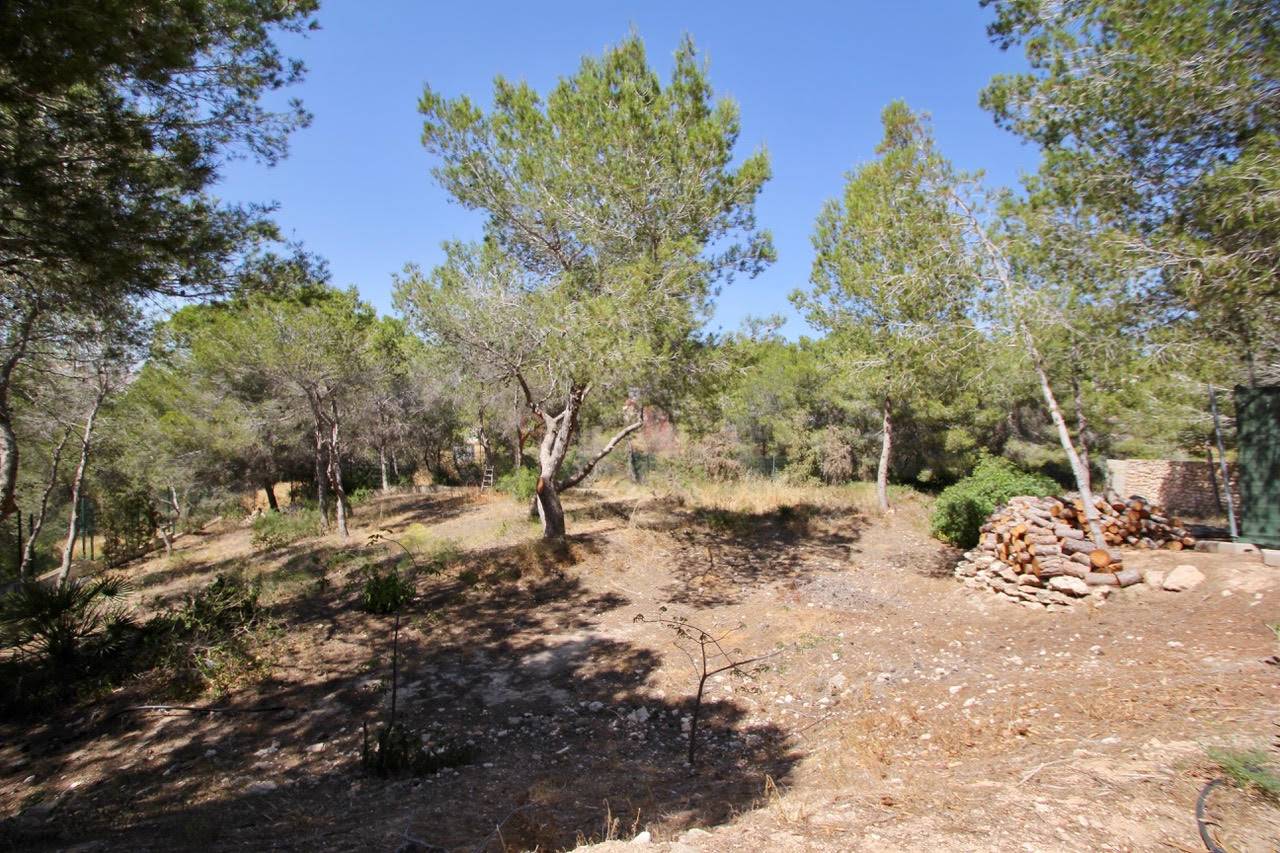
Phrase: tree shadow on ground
x=562 y=724
x=724 y=554
x=431 y=508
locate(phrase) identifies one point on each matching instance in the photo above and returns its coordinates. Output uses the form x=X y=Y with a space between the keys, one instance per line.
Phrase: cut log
x=1128 y=577
x=1074 y=546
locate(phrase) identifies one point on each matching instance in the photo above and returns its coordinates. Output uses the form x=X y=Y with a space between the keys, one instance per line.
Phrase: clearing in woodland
x=896 y=709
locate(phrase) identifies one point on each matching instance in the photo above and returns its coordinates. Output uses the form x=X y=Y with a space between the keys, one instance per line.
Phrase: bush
x=520 y=483
x=962 y=508
x=360 y=496
x=273 y=530
x=385 y=591
x=715 y=457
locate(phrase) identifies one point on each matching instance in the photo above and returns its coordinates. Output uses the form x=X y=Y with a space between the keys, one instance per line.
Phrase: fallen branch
x=192 y=709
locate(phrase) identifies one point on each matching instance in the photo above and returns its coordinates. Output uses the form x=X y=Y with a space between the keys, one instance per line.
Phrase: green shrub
x=520 y=483
x=214 y=639
x=273 y=530
x=962 y=508
x=360 y=496
x=384 y=591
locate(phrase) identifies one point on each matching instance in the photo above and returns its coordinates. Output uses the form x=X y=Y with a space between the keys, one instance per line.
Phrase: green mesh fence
x=1258 y=449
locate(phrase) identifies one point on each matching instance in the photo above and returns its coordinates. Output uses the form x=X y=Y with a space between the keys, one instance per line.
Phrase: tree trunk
x=549 y=509
x=77 y=483
x=1064 y=436
x=557 y=434
x=29 y=547
x=8 y=464
x=999 y=264
x=1213 y=476
x=1082 y=425
x=886 y=450
x=551 y=453
x=395 y=465
x=335 y=470
x=166 y=537
x=382 y=464
x=322 y=478
x=8 y=440
x=176 y=505
x=269 y=486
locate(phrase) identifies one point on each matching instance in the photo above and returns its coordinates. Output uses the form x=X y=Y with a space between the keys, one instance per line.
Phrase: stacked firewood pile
x=1039 y=550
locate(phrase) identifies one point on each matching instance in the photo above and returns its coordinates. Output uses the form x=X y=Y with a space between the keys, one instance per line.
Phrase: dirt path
x=898 y=711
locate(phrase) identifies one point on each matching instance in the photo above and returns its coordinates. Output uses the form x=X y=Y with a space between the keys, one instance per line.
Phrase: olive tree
x=613 y=212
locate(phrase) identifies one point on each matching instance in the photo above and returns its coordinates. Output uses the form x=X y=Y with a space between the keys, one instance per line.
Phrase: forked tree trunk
x=29 y=547
x=551 y=453
x=77 y=483
x=558 y=433
x=549 y=508
x=886 y=451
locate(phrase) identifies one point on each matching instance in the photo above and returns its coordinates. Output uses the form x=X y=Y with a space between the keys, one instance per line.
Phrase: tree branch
x=586 y=470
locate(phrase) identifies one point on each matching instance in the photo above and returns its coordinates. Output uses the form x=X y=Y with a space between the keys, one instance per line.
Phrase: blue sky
x=811 y=79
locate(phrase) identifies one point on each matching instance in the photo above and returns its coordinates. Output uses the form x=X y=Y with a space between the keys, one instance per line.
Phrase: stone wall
x=1180 y=486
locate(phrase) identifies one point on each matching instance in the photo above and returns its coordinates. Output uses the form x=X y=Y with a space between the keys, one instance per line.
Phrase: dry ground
x=898 y=711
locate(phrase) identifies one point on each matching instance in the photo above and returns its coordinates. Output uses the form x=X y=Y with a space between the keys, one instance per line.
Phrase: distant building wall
x=1182 y=487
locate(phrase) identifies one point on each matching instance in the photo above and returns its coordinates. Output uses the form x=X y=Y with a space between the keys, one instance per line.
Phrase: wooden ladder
x=486 y=479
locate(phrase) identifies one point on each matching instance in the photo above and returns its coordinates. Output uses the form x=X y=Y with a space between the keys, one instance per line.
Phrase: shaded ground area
x=898 y=711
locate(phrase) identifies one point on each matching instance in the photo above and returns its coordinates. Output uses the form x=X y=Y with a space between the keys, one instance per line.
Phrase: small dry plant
x=707 y=655
x=396 y=748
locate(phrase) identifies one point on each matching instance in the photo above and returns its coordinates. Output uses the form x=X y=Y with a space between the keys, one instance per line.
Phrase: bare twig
x=703 y=663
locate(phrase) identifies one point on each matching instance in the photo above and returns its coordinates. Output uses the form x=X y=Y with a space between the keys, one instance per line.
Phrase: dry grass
x=758 y=495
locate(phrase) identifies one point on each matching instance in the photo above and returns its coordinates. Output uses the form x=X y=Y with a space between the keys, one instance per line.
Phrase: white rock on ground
x=1182 y=578
x=1153 y=578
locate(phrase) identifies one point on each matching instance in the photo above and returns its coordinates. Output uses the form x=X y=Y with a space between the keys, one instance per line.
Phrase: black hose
x=1201 y=823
